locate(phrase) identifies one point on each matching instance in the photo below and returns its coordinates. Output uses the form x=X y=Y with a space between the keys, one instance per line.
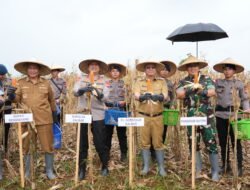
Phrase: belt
x=226 y=109
x=150 y=115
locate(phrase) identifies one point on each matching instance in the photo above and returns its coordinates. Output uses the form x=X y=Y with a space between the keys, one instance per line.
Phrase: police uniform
x=7 y=110
x=116 y=93
x=97 y=111
x=60 y=90
x=225 y=109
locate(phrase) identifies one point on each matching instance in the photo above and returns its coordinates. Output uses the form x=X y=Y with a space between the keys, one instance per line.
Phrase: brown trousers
x=45 y=135
x=152 y=132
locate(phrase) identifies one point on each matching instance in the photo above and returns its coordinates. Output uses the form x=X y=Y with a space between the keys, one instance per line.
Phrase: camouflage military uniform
x=201 y=106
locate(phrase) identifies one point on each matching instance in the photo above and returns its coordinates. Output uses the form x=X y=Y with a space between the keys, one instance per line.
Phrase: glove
x=99 y=95
x=158 y=97
x=54 y=116
x=81 y=91
x=109 y=104
x=144 y=97
x=11 y=97
x=11 y=90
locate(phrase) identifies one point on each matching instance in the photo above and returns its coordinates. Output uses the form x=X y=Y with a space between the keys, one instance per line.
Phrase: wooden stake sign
x=19 y=118
x=77 y=118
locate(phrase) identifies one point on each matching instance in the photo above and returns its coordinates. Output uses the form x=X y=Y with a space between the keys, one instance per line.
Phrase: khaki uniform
x=152 y=113
x=40 y=98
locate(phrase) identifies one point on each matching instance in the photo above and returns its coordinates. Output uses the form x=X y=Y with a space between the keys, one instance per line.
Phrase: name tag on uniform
x=196 y=121
x=78 y=118
x=131 y=122
x=18 y=118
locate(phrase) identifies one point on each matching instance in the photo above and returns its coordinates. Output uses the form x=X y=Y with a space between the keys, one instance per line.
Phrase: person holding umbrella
x=59 y=87
x=36 y=93
x=116 y=100
x=196 y=90
x=93 y=83
x=168 y=71
x=151 y=92
x=225 y=110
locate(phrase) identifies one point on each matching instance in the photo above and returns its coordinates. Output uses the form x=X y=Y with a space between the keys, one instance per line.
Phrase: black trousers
x=6 y=130
x=99 y=134
x=122 y=138
x=222 y=129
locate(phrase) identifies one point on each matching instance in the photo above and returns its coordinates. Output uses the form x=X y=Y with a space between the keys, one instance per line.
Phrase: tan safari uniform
x=152 y=113
x=40 y=98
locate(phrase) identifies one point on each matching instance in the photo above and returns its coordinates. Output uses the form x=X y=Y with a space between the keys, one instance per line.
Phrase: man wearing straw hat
x=93 y=83
x=6 y=97
x=59 y=87
x=196 y=90
x=168 y=71
x=151 y=92
x=116 y=100
x=225 y=109
x=36 y=93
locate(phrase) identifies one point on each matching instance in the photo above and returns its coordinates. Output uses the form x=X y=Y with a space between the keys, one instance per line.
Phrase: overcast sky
x=65 y=32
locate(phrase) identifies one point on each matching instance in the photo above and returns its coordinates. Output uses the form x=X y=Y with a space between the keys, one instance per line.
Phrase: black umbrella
x=197 y=32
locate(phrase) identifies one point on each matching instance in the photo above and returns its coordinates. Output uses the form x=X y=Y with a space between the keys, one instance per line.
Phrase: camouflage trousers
x=208 y=134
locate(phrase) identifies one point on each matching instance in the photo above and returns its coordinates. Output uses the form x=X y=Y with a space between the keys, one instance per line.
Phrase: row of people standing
x=152 y=95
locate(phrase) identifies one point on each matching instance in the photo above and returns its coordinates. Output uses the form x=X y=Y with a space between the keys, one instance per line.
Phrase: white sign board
x=131 y=122
x=18 y=118
x=196 y=121
x=78 y=118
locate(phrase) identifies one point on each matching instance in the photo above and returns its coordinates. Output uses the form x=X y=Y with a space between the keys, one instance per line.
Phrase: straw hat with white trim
x=170 y=66
x=219 y=67
x=141 y=66
x=22 y=67
x=57 y=67
x=121 y=68
x=191 y=60
x=84 y=65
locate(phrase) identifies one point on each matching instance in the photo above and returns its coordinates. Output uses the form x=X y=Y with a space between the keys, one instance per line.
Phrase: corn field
x=177 y=157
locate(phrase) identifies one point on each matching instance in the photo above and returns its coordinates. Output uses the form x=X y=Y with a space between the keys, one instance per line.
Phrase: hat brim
x=60 y=69
x=172 y=66
x=201 y=65
x=141 y=66
x=22 y=67
x=220 y=67
x=123 y=69
x=84 y=65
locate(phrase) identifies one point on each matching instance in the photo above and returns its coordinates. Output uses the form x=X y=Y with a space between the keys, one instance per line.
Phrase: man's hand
x=157 y=97
x=146 y=96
